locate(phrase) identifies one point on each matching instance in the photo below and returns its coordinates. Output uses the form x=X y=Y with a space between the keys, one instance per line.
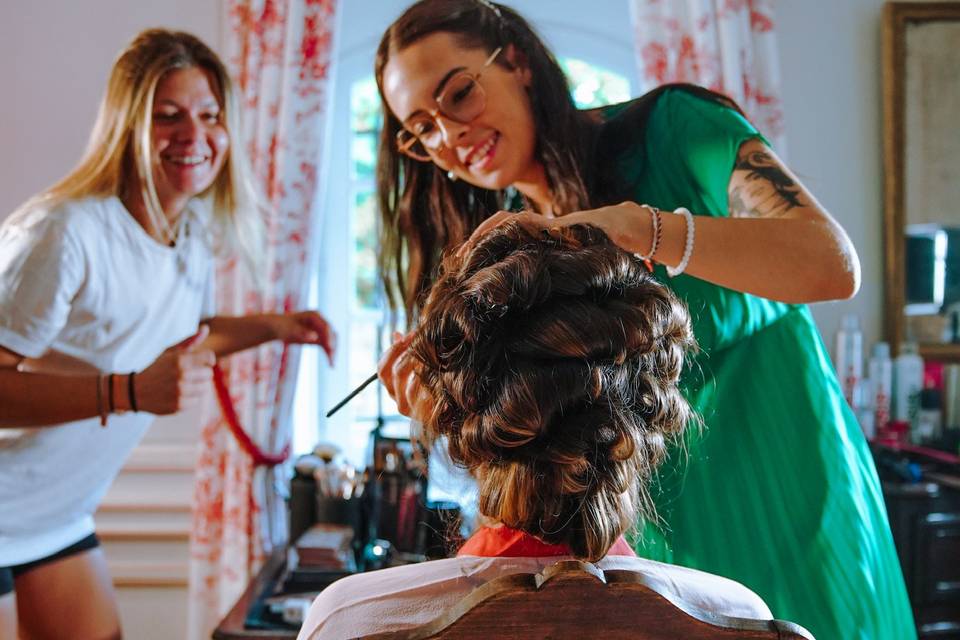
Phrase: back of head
x=553 y=362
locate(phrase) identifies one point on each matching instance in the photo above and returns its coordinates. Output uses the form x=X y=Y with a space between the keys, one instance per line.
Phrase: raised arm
x=38 y=397
x=230 y=334
x=778 y=242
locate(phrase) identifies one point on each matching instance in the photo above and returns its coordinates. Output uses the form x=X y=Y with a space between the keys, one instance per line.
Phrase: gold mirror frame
x=896 y=17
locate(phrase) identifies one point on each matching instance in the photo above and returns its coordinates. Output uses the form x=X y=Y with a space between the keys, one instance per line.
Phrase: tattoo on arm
x=762 y=188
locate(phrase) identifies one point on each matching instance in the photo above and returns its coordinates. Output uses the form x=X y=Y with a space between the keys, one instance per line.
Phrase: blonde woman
x=111 y=270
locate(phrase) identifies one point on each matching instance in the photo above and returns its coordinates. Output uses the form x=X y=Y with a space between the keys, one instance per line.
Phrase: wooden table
x=231 y=627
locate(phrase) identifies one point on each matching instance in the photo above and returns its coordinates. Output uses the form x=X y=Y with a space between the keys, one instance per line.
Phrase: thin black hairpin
x=350 y=396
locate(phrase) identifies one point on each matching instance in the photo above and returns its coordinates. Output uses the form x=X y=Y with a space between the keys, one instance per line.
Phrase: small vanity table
x=925 y=521
x=233 y=625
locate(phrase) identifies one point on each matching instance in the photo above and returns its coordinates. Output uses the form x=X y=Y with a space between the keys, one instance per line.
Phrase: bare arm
x=230 y=334
x=177 y=379
x=42 y=397
x=61 y=397
x=779 y=242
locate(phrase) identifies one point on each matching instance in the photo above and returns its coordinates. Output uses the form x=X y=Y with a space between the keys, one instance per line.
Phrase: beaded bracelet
x=687 y=247
x=655 y=234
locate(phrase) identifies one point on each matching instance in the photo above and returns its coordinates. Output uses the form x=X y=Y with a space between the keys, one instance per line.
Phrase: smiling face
x=495 y=149
x=189 y=139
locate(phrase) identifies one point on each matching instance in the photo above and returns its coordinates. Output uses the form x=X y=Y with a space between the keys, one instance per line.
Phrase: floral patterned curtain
x=725 y=45
x=280 y=55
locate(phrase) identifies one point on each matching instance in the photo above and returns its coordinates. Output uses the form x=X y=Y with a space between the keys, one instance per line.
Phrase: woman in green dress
x=778 y=490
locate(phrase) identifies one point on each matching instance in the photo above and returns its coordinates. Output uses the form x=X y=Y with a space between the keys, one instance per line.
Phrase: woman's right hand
x=397 y=370
x=178 y=379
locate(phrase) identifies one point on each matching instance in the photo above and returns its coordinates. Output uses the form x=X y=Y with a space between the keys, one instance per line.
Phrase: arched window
x=346 y=283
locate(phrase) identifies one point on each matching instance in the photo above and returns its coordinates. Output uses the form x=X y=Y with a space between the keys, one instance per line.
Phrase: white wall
x=54 y=60
x=830 y=73
x=363 y=27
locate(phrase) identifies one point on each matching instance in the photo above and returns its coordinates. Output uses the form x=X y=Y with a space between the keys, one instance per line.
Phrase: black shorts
x=8 y=574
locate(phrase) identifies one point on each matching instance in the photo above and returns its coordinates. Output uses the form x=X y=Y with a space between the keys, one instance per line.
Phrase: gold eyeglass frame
x=405 y=138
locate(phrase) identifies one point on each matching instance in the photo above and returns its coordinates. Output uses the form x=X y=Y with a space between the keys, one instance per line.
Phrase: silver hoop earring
x=451 y=176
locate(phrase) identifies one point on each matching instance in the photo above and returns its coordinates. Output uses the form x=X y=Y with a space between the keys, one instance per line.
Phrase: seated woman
x=551 y=361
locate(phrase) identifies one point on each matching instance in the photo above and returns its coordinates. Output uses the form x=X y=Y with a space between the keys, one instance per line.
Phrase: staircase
x=144 y=525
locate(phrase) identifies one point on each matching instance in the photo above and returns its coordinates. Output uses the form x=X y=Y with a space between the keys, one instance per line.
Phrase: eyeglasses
x=461 y=100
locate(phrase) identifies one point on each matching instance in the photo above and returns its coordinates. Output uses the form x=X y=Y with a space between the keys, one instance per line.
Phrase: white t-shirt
x=412 y=595
x=84 y=279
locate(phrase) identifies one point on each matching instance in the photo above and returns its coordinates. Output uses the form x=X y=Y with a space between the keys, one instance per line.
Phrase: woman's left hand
x=623 y=223
x=397 y=370
x=776 y=242
x=306 y=327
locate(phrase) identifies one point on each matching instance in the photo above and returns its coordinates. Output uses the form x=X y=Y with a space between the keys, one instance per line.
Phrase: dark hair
x=552 y=360
x=423 y=212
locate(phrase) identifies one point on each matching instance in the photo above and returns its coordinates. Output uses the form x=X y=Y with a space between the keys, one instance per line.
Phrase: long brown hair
x=424 y=213
x=552 y=361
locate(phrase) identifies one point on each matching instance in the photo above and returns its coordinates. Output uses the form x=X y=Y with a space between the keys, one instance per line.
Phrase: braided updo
x=552 y=360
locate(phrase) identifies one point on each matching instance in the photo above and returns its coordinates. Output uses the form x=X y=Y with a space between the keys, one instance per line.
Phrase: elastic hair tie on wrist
x=101 y=404
x=132 y=392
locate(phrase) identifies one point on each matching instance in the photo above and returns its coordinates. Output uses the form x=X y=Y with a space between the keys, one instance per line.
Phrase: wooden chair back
x=578 y=601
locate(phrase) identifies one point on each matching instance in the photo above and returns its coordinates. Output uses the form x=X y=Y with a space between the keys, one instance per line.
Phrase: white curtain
x=725 y=45
x=280 y=53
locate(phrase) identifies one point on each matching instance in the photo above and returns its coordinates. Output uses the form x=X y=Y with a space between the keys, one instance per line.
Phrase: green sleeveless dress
x=778 y=489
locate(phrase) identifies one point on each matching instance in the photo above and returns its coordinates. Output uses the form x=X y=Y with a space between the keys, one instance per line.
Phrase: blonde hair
x=120 y=145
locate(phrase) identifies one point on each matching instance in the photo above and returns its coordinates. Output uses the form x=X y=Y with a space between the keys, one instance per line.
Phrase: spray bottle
x=907 y=385
x=850 y=358
x=881 y=378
